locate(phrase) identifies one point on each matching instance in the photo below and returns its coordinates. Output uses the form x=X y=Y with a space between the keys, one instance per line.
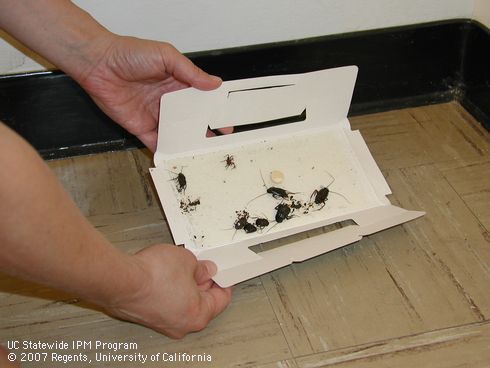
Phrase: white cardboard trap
x=229 y=174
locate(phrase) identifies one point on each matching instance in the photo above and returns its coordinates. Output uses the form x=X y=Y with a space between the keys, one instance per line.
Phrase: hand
x=131 y=76
x=177 y=295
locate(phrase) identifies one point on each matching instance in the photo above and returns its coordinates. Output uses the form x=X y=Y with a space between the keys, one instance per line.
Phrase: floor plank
x=423 y=135
x=469 y=178
x=394 y=138
x=281 y=364
x=460 y=346
x=107 y=183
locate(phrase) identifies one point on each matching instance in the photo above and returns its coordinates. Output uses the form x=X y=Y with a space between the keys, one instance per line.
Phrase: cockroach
x=261 y=223
x=249 y=228
x=277 y=193
x=241 y=223
x=282 y=212
x=321 y=195
x=180 y=180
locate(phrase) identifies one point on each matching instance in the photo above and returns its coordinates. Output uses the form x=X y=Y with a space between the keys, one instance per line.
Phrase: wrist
x=130 y=284
x=84 y=48
x=87 y=55
x=61 y=32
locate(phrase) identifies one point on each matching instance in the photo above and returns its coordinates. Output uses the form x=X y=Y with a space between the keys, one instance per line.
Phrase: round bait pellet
x=277 y=176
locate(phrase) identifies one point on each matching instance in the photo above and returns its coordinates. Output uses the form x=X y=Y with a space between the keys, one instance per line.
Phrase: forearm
x=58 y=30
x=44 y=238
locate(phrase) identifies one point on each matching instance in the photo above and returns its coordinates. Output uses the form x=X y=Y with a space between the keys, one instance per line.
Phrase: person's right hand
x=177 y=295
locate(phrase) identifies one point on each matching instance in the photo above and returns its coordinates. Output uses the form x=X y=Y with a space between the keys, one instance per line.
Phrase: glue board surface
x=227 y=182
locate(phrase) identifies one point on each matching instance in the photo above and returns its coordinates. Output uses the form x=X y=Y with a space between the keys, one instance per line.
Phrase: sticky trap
x=218 y=193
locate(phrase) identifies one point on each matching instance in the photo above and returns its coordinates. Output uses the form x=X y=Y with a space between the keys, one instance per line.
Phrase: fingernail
x=217 y=79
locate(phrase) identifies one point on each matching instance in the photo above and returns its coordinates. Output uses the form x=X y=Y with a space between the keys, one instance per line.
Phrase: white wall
x=482 y=12
x=197 y=25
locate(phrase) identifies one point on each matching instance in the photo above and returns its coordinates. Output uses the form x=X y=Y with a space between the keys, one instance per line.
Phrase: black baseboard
x=398 y=67
x=476 y=74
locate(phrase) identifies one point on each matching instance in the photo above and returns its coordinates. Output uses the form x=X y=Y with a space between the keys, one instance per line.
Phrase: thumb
x=184 y=70
x=212 y=303
x=204 y=271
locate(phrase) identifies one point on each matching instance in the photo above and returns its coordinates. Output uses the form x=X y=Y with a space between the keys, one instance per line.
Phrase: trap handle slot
x=259 y=105
x=266 y=124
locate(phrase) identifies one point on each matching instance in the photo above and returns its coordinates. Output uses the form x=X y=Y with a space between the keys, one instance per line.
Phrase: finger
x=218 y=299
x=204 y=271
x=184 y=70
x=210 y=133
x=227 y=130
x=206 y=285
x=220 y=131
x=149 y=140
x=213 y=302
x=204 y=81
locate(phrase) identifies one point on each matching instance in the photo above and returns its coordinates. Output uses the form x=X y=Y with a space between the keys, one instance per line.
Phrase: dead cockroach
x=180 y=180
x=320 y=196
x=277 y=193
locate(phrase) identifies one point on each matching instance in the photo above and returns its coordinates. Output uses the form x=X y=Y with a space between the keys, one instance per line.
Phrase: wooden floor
x=416 y=295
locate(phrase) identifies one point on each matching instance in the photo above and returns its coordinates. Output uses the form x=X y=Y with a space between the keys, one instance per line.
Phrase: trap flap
x=241 y=264
x=322 y=96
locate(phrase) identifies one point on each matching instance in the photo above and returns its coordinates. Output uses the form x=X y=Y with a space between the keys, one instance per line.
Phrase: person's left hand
x=131 y=76
x=176 y=294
